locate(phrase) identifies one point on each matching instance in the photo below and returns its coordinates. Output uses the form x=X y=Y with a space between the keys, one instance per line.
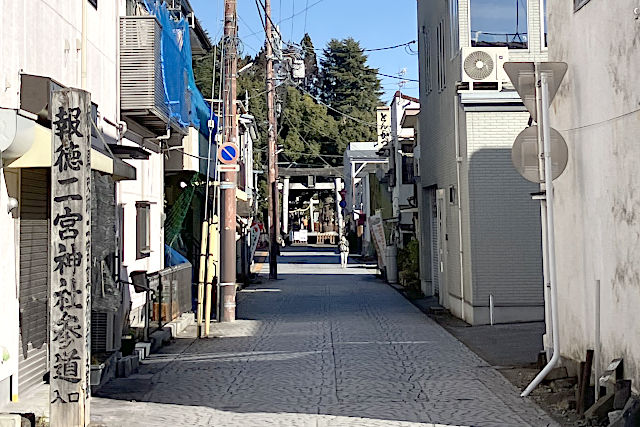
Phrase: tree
x=350 y=86
x=312 y=72
x=307 y=129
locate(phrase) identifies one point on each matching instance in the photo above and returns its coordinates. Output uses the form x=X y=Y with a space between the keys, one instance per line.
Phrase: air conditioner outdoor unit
x=483 y=65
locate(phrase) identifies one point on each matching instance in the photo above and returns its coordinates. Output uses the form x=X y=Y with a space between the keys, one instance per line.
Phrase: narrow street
x=322 y=346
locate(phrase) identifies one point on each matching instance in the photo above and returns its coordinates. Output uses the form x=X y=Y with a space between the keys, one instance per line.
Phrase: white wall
x=401 y=192
x=597 y=197
x=149 y=187
x=43 y=37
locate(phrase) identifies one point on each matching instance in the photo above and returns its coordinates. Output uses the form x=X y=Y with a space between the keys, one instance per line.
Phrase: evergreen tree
x=312 y=72
x=307 y=129
x=349 y=85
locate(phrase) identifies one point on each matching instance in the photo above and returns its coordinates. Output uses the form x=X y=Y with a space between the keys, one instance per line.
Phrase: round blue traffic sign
x=228 y=153
x=343 y=204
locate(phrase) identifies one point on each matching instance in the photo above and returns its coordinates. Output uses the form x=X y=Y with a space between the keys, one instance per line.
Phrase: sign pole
x=70 y=263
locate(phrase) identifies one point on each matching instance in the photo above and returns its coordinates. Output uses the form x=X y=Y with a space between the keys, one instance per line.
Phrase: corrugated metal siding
x=504 y=221
x=34 y=277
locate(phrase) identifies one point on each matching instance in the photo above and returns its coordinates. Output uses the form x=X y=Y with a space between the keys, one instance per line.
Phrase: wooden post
x=70 y=264
x=585 y=379
x=201 y=273
x=212 y=272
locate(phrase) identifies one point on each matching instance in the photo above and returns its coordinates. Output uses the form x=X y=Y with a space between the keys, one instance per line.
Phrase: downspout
x=548 y=179
x=456 y=132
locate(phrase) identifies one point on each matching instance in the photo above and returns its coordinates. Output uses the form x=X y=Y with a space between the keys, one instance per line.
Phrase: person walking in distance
x=344 y=251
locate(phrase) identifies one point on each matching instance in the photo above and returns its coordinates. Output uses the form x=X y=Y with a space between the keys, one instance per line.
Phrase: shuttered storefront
x=34 y=277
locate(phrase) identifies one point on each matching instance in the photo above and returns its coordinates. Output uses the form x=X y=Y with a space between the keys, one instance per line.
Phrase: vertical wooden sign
x=70 y=264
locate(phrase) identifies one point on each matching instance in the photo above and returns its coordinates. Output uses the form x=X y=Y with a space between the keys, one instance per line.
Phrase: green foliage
x=409 y=258
x=306 y=128
x=350 y=86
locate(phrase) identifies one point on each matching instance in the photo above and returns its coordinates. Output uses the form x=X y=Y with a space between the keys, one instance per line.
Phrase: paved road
x=320 y=347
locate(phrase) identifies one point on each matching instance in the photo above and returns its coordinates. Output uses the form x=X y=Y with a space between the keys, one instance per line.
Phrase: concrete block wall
x=505 y=230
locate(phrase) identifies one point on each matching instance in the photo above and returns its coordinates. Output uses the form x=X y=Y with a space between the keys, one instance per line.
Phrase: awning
x=28 y=145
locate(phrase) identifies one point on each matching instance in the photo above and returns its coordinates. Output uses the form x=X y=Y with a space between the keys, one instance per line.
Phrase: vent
x=478 y=65
x=101 y=331
x=482 y=68
x=141 y=83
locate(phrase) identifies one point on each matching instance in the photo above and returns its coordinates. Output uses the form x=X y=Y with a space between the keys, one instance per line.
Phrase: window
x=499 y=23
x=453 y=195
x=441 y=56
x=407 y=164
x=426 y=57
x=543 y=22
x=454 y=26
x=143 y=218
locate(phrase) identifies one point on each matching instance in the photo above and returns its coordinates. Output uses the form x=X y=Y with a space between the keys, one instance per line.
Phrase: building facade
x=480 y=231
x=596 y=205
x=45 y=46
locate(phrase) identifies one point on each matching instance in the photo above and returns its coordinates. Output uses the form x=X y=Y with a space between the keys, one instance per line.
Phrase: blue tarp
x=186 y=104
x=173 y=257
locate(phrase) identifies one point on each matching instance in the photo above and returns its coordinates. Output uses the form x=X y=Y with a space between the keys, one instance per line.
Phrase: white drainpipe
x=548 y=179
x=456 y=120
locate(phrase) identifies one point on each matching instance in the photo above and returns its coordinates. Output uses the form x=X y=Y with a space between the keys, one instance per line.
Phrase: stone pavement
x=322 y=346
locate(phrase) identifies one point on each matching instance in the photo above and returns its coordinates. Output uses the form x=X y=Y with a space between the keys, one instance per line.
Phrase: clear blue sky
x=375 y=23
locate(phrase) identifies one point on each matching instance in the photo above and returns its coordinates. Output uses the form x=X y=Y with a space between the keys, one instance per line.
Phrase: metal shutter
x=34 y=277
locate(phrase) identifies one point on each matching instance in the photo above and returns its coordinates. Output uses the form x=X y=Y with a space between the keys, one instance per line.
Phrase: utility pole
x=229 y=176
x=274 y=219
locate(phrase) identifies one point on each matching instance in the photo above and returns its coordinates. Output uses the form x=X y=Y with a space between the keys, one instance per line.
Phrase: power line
x=318 y=100
x=302 y=11
x=390 y=47
x=309 y=145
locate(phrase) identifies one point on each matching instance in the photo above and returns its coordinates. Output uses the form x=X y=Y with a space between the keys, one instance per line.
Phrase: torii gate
x=313 y=173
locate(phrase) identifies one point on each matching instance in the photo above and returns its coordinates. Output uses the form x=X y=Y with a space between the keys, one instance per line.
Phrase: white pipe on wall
x=596 y=351
x=491 y=308
x=548 y=175
x=456 y=120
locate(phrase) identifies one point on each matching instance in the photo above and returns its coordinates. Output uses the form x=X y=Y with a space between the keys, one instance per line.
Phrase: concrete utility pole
x=229 y=177
x=274 y=220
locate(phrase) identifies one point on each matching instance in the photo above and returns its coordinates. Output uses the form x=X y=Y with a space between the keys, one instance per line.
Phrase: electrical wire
x=320 y=156
x=390 y=47
x=337 y=111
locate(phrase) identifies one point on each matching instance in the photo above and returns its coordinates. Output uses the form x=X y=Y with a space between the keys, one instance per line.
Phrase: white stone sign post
x=70 y=264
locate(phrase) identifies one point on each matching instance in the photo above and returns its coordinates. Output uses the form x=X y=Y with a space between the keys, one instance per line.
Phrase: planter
x=96 y=374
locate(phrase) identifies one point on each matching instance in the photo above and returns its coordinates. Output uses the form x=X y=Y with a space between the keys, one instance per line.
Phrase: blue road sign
x=228 y=153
